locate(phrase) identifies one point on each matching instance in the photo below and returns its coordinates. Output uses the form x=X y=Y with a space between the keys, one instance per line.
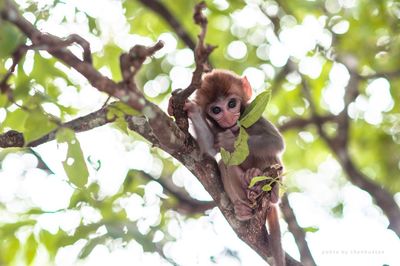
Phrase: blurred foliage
x=370 y=39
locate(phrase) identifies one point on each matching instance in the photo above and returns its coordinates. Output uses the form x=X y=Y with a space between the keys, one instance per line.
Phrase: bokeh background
x=333 y=69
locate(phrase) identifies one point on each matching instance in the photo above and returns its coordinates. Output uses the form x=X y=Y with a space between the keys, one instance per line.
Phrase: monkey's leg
x=236 y=187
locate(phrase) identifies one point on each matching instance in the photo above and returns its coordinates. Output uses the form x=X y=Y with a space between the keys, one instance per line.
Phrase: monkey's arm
x=204 y=135
x=265 y=143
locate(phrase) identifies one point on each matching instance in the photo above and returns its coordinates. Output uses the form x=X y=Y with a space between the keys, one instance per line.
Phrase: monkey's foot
x=250 y=173
x=242 y=211
x=275 y=171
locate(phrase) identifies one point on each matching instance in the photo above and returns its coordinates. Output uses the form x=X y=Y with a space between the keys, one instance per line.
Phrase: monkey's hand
x=226 y=140
x=192 y=108
x=253 y=194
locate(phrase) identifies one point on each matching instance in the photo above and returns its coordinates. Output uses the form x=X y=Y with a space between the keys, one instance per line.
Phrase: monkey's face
x=225 y=111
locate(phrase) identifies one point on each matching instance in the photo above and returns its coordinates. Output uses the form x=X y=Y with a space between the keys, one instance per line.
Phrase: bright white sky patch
x=182 y=57
x=278 y=54
x=301 y=39
x=237 y=50
x=333 y=94
x=377 y=101
x=221 y=4
x=256 y=78
x=180 y=77
x=311 y=66
x=379 y=95
x=170 y=44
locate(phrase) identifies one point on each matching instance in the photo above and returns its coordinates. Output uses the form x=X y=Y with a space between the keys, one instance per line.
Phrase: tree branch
x=338 y=145
x=169 y=135
x=201 y=54
x=159 y=8
x=297 y=232
x=300 y=123
x=186 y=204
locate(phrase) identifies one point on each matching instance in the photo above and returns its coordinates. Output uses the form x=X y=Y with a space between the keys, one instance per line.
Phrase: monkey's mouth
x=233 y=127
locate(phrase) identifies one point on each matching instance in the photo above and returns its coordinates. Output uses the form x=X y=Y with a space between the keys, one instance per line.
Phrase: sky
x=359 y=237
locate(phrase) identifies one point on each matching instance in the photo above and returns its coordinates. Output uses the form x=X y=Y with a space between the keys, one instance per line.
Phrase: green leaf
x=257 y=179
x=126 y=109
x=11 y=247
x=338 y=210
x=118 y=107
x=225 y=155
x=311 y=229
x=15 y=120
x=74 y=164
x=11 y=228
x=30 y=250
x=254 y=111
x=37 y=125
x=9 y=40
x=241 y=150
x=122 y=125
x=267 y=187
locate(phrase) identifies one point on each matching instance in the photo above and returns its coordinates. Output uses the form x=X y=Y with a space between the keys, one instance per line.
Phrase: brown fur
x=219 y=83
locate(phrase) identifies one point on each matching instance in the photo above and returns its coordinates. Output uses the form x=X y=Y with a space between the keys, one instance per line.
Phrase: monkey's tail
x=275 y=236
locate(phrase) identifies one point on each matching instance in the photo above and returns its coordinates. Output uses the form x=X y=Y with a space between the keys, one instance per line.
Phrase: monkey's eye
x=216 y=110
x=232 y=103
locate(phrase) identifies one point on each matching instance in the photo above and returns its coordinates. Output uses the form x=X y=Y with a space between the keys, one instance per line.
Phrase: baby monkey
x=215 y=111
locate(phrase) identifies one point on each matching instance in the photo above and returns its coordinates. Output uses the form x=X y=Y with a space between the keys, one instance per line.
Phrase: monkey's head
x=223 y=96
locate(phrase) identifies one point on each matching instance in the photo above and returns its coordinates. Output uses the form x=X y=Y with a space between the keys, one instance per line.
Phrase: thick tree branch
x=98 y=118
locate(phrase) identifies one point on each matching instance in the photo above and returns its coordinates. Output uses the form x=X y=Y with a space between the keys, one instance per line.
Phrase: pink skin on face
x=226 y=111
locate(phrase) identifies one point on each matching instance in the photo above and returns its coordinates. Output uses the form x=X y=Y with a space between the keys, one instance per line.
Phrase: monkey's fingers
x=250 y=173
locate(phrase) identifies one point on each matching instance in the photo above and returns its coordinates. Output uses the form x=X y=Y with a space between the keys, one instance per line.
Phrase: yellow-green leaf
x=74 y=164
x=119 y=110
x=226 y=156
x=30 y=249
x=254 y=111
x=311 y=229
x=11 y=247
x=37 y=124
x=257 y=179
x=241 y=150
x=266 y=187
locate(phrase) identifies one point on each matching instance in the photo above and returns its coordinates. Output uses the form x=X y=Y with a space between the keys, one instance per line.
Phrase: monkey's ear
x=247 y=87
